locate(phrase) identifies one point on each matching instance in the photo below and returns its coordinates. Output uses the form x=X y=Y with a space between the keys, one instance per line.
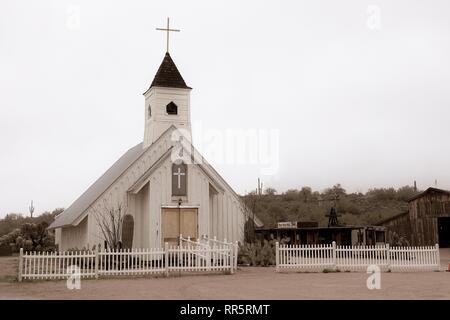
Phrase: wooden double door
x=176 y=221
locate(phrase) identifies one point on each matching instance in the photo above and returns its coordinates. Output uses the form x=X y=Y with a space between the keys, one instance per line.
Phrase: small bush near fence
x=257 y=254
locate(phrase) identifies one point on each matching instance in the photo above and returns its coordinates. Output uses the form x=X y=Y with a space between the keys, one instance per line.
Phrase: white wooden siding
x=146 y=206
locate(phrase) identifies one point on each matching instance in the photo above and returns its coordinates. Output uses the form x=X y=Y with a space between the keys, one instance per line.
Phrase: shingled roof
x=76 y=209
x=168 y=75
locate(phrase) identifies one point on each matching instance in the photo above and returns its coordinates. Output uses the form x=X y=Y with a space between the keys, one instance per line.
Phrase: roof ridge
x=428 y=190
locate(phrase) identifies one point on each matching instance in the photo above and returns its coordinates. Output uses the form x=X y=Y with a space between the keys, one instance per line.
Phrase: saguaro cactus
x=31 y=208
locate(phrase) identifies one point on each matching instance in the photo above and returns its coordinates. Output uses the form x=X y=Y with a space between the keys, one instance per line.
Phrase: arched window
x=149 y=111
x=172 y=108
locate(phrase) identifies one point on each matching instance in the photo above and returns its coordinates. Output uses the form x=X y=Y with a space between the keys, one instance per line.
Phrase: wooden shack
x=310 y=233
x=426 y=222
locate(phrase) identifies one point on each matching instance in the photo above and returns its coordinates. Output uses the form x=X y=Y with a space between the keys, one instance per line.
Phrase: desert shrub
x=291 y=195
x=397 y=240
x=270 y=191
x=14 y=221
x=255 y=254
x=30 y=237
x=401 y=194
x=382 y=193
x=405 y=193
x=345 y=206
x=337 y=189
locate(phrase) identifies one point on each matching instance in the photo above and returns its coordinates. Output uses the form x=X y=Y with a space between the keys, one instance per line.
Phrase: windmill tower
x=333 y=215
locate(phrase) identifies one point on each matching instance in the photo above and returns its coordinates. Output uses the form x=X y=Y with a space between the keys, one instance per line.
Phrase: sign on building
x=287 y=225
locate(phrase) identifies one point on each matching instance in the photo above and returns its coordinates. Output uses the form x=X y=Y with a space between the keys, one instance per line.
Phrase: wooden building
x=311 y=233
x=426 y=222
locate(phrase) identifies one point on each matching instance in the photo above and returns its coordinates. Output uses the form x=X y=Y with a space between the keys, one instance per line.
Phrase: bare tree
x=110 y=221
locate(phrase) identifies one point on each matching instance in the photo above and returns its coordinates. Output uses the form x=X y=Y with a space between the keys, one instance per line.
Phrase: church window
x=149 y=111
x=172 y=108
x=179 y=179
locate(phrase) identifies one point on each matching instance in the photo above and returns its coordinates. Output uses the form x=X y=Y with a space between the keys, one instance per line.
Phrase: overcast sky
x=359 y=91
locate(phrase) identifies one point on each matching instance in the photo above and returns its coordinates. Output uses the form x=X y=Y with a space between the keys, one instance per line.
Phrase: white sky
x=363 y=107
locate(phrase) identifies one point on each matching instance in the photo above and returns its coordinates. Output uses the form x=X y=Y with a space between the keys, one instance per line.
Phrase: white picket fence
x=187 y=257
x=233 y=247
x=356 y=258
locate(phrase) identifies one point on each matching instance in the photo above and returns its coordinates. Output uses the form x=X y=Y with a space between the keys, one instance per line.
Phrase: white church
x=161 y=196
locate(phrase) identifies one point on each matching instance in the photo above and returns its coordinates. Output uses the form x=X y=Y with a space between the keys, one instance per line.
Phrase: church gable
x=178 y=180
x=191 y=188
x=113 y=184
x=181 y=175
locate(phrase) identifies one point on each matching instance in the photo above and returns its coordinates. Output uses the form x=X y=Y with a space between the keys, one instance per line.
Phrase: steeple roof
x=168 y=75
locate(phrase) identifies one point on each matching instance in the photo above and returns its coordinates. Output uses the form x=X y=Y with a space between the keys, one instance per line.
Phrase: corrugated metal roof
x=72 y=213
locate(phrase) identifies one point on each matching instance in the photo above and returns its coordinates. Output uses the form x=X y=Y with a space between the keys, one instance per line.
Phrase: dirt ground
x=247 y=283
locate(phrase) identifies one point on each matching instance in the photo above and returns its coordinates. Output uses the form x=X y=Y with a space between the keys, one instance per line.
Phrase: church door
x=176 y=221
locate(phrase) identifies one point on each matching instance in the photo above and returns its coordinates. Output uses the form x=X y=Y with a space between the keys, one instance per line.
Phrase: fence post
x=388 y=257
x=438 y=257
x=20 y=264
x=236 y=246
x=334 y=255
x=208 y=257
x=231 y=257
x=277 y=256
x=166 y=258
x=96 y=262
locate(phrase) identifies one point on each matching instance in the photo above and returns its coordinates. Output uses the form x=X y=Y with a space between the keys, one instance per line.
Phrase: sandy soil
x=8 y=268
x=247 y=283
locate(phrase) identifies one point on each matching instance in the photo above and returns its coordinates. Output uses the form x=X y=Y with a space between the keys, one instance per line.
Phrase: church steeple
x=168 y=75
x=167 y=102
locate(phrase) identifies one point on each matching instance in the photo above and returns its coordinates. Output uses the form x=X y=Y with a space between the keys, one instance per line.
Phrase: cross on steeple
x=167 y=29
